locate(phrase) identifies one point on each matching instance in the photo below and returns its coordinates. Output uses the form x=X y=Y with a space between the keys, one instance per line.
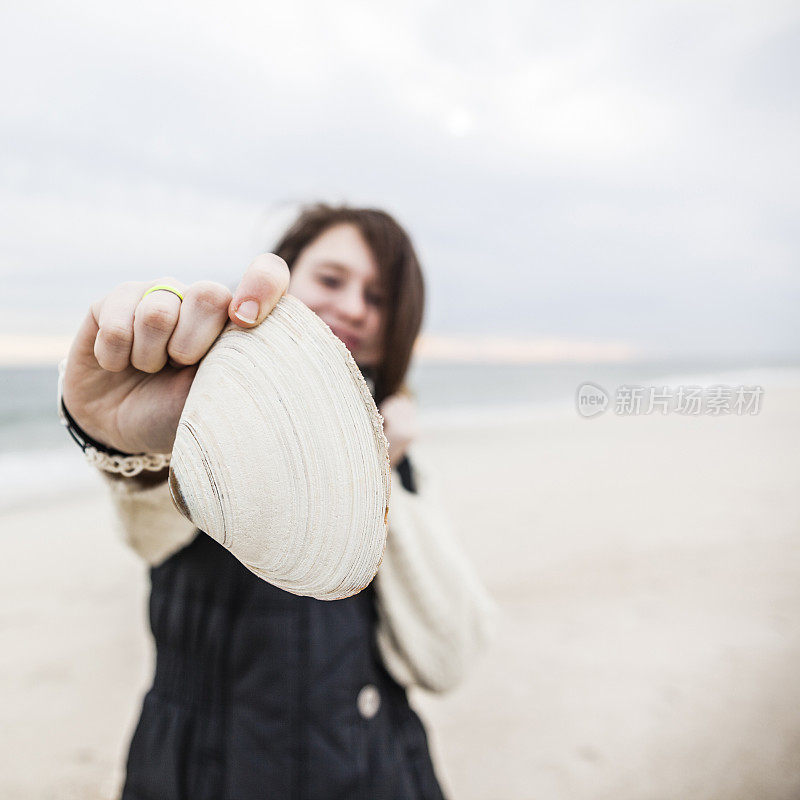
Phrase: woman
x=258 y=692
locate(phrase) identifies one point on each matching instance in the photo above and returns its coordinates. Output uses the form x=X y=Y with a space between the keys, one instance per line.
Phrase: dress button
x=369 y=701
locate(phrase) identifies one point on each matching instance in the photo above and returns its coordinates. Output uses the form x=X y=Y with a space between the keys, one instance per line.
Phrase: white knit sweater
x=434 y=615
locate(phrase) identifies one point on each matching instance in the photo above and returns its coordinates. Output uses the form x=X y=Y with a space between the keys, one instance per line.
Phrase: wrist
x=82 y=438
x=102 y=456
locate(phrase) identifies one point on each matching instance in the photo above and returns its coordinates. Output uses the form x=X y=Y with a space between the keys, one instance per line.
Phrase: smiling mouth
x=349 y=341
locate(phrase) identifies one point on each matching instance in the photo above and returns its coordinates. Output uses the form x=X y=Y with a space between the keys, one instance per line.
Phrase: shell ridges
x=281 y=457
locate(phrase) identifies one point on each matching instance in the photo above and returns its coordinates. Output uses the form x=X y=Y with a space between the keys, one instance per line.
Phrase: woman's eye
x=333 y=283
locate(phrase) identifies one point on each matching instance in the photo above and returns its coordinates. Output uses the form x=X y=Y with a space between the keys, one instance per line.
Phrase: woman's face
x=336 y=277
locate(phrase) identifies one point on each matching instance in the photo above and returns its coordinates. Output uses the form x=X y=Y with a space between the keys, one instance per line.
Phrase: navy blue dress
x=259 y=693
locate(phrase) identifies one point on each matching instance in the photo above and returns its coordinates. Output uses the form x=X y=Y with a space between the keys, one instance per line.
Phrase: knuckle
x=210 y=295
x=157 y=318
x=115 y=337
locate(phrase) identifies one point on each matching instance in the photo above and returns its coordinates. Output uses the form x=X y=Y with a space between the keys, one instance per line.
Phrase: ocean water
x=37 y=454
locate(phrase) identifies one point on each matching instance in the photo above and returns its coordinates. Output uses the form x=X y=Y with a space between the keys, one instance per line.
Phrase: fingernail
x=248 y=311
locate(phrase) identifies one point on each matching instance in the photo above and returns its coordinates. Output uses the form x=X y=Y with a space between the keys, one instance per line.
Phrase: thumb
x=263 y=284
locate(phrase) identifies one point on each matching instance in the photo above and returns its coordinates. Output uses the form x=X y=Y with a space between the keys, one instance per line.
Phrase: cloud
x=581 y=170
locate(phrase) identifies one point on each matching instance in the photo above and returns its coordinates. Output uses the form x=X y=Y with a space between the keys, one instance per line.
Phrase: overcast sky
x=609 y=172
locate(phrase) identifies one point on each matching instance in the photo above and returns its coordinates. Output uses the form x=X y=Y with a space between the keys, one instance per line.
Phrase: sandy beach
x=648 y=573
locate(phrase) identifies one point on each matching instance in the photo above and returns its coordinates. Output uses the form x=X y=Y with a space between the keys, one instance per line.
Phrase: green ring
x=162 y=287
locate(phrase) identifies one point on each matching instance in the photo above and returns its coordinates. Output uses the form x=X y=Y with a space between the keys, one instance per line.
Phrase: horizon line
x=43 y=350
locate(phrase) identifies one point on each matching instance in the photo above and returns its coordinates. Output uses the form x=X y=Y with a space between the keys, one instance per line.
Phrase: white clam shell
x=280 y=455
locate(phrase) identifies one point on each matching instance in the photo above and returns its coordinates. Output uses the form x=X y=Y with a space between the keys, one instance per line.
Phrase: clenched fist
x=134 y=358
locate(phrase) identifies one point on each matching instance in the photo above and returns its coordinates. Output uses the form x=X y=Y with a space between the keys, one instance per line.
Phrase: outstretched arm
x=435 y=616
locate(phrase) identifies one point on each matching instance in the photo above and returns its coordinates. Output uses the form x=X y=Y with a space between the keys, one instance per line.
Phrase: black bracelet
x=83 y=439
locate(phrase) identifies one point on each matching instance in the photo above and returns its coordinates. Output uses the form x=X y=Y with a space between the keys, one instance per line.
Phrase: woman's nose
x=353 y=305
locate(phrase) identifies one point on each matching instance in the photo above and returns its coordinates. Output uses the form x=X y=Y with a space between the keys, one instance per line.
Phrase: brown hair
x=400 y=272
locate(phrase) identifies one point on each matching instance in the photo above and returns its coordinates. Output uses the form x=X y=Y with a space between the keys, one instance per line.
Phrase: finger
x=263 y=284
x=114 y=316
x=203 y=315
x=154 y=321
